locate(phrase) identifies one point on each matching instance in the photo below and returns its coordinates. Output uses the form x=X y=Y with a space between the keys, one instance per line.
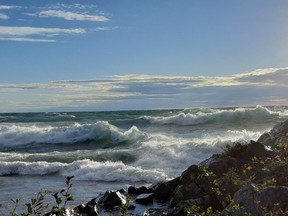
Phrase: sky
x=97 y=55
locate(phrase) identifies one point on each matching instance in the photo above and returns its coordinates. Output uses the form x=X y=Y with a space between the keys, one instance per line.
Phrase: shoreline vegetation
x=246 y=179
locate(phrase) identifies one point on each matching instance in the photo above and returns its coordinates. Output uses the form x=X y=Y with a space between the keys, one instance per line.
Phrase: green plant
x=36 y=206
x=125 y=207
x=196 y=210
x=16 y=202
x=60 y=208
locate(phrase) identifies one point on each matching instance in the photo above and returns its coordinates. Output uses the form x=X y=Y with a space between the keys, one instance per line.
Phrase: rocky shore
x=246 y=179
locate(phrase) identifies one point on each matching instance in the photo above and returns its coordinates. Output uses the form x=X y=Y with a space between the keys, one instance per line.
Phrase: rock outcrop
x=277 y=135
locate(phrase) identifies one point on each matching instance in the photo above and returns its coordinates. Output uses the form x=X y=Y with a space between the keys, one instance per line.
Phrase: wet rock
x=155 y=212
x=140 y=190
x=165 y=190
x=87 y=209
x=145 y=199
x=112 y=199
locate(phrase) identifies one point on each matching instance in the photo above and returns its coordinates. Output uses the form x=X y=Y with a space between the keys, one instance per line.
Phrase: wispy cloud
x=24 y=31
x=19 y=34
x=31 y=33
x=4 y=16
x=61 y=6
x=68 y=15
x=19 y=39
x=156 y=91
x=8 y=7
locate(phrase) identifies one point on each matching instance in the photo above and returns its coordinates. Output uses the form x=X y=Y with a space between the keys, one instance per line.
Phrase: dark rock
x=258 y=201
x=190 y=174
x=140 y=190
x=165 y=190
x=194 y=184
x=155 y=212
x=183 y=192
x=244 y=152
x=145 y=199
x=219 y=164
x=112 y=199
x=122 y=191
x=87 y=209
x=235 y=157
x=179 y=209
x=277 y=135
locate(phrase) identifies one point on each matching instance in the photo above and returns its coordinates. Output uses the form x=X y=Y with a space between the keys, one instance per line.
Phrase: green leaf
x=70 y=198
x=58 y=200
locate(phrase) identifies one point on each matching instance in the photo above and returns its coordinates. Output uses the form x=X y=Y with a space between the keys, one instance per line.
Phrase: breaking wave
x=84 y=170
x=102 y=132
x=202 y=116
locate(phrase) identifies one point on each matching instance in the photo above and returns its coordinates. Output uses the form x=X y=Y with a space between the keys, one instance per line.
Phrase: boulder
x=155 y=212
x=219 y=164
x=180 y=208
x=194 y=184
x=87 y=209
x=277 y=135
x=140 y=190
x=145 y=199
x=236 y=156
x=112 y=199
x=259 y=201
x=165 y=190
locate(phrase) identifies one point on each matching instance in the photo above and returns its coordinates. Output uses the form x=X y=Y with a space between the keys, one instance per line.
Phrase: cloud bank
x=143 y=91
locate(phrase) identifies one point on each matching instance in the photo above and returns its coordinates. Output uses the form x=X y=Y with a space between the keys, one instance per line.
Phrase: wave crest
x=85 y=170
x=203 y=116
x=13 y=135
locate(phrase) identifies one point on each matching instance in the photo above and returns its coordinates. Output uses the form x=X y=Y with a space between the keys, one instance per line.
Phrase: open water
x=111 y=150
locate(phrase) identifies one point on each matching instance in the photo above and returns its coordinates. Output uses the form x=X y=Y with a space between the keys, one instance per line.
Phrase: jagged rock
x=165 y=190
x=219 y=164
x=87 y=209
x=145 y=199
x=179 y=209
x=155 y=212
x=258 y=201
x=194 y=184
x=235 y=157
x=189 y=175
x=112 y=199
x=277 y=135
x=140 y=190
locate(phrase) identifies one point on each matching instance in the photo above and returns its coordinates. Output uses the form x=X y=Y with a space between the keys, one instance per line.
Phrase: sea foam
x=11 y=134
x=214 y=116
x=84 y=170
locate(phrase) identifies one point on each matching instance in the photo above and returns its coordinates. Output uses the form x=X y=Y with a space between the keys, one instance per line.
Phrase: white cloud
x=152 y=90
x=8 y=7
x=61 y=6
x=4 y=16
x=104 y=28
x=67 y=15
x=269 y=77
x=26 y=39
x=25 y=31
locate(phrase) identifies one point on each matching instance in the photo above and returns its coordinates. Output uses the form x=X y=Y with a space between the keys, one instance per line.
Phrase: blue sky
x=149 y=54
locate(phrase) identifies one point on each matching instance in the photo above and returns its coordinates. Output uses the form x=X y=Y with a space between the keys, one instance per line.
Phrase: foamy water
x=118 y=148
